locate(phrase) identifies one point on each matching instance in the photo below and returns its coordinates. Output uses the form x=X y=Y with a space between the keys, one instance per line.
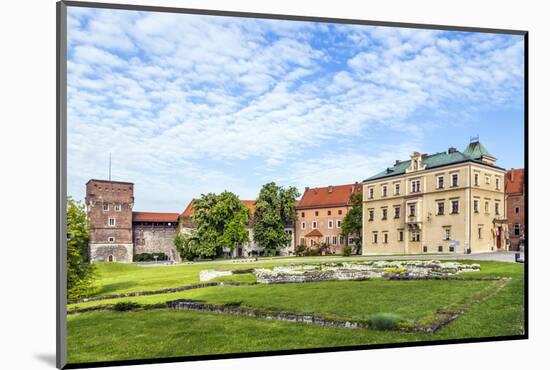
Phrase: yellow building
x=445 y=202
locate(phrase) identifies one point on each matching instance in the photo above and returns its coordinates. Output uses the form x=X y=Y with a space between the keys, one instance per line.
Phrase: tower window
x=105 y=206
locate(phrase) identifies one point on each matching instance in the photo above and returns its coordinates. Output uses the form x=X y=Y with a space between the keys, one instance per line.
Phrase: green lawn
x=107 y=335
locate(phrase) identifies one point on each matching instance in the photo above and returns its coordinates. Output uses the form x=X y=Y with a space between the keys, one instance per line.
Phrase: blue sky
x=189 y=104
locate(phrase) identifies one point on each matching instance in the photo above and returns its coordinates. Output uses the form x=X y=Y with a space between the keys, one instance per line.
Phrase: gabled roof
x=314 y=232
x=514 y=181
x=154 y=217
x=190 y=211
x=328 y=196
x=473 y=152
x=476 y=150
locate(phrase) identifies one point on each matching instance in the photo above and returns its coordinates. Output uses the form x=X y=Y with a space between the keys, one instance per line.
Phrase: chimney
x=330 y=188
x=452 y=150
x=512 y=175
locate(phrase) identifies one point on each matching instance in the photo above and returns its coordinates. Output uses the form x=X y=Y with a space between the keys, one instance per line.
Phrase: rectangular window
x=447 y=233
x=397 y=189
x=112 y=222
x=516 y=209
x=105 y=206
x=415 y=236
x=303 y=214
x=415 y=186
x=371 y=214
x=314 y=224
x=330 y=224
x=440 y=182
x=454 y=180
x=497 y=208
x=454 y=206
x=476 y=206
x=401 y=235
x=111 y=239
x=486 y=206
x=329 y=213
x=384 y=191
x=487 y=179
x=397 y=212
x=476 y=179
x=412 y=210
x=479 y=232
x=327 y=239
x=516 y=229
x=375 y=237
x=303 y=225
x=311 y=242
x=338 y=223
x=334 y=239
x=497 y=183
x=339 y=211
x=341 y=240
x=371 y=193
x=384 y=213
x=440 y=208
x=385 y=238
x=316 y=213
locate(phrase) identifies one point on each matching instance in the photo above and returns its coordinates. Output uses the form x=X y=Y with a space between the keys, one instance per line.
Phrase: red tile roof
x=155 y=217
x=189 y=211
x=328 y=196
x=314 y=232
x=514 y=181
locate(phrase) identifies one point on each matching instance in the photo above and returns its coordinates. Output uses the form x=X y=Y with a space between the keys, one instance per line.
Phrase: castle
x=452 y=202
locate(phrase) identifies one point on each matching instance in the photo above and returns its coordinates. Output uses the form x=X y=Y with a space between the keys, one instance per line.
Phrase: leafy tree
x=80 y=272
x=220 y=221
x=275 y=207
x=352 y=224
x=187 y=246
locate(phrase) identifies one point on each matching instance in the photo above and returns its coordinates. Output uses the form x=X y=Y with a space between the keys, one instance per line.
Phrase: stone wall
x=100 y=252
x=156 y=239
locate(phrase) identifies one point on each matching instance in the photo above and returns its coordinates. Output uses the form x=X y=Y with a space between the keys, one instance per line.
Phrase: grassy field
x=107 y=335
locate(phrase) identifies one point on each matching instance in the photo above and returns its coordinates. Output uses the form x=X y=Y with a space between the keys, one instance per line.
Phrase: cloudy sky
x=189 y=104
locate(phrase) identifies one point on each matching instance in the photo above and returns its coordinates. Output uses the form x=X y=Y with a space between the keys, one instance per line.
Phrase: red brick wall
x=113 y=193
x=513 y=202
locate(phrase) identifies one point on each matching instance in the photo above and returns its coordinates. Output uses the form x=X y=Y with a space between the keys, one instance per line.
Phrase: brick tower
x=109 y=206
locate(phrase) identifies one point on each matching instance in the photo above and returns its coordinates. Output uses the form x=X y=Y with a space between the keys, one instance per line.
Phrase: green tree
x=275 y=207
x=220 y=222
x=80 y=272
x=352 y=224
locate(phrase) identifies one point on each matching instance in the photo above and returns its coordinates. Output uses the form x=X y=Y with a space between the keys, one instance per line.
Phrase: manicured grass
x=107 y=335
x=123 y=278
x=350 y=300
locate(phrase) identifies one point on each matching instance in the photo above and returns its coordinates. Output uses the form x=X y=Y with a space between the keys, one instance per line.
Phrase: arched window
x=110 y=258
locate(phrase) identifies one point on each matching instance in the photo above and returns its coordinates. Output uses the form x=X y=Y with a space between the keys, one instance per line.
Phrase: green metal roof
x=473 y=152
x=476 y=150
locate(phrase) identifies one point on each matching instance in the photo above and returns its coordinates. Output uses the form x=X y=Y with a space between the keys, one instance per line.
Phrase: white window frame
x=371 y=214
x=476 y=205
x=111 y=239
x=397 y=188
x=438 y=204
x=330 y=224
x=453 y=175
x=516 y=209
x=384 y=191
x=112 y=219
x=447 y=233
x=415 y=186
x=338 y=224
x=334 y=240
x=118 y=207
x=457 y=206
x=397 y=212
x=105 y=209
x=441 y=182
x=313 y=224
x=371 y=193
x=303 y=225
x=385 y=210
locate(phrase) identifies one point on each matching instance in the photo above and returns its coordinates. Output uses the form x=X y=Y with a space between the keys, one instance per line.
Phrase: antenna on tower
x=109 y=166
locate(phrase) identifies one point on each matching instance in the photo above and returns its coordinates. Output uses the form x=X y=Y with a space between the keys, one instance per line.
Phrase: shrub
x=243 y=271
x=300 y=250
x=126 y=306
x=384 y=321
x=346 y=251
x=147 y=257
